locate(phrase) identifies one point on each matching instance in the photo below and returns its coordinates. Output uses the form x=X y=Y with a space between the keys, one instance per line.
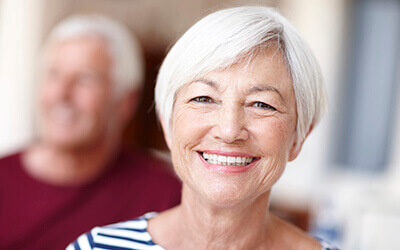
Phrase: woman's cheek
x=280 y=130
x=190 y=124
x=273 y=170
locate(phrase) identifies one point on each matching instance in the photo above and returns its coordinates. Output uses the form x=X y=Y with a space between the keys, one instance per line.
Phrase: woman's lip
x=228 y=169
x=225 y=153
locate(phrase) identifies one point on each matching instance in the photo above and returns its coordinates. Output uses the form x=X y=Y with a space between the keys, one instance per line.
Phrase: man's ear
x=296 y=147
x=165 y=132
x=128 y=105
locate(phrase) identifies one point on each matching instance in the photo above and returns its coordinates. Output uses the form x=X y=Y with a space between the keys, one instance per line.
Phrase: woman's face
x=234 y=130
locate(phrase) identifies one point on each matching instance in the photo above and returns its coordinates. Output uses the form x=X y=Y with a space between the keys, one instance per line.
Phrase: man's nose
x=63 y=87
x=230 y=124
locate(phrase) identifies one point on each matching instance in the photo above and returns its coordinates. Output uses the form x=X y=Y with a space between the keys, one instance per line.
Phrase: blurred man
x=75 y=176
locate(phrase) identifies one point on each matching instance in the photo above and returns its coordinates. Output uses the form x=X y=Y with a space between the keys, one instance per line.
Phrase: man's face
x=76 y=101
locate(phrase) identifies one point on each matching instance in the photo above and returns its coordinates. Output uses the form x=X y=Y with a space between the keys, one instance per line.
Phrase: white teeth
x=227 y=160
x=222 y=159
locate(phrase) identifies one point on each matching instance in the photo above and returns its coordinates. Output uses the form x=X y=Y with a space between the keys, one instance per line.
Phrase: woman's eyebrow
x=210 y=83
x=264 y=88
x=254 y=89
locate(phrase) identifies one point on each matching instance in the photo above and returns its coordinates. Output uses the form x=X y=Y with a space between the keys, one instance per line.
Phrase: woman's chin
x=224 y=195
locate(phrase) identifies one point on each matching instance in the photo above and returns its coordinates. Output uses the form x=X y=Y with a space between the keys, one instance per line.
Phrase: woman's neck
x=208 y=227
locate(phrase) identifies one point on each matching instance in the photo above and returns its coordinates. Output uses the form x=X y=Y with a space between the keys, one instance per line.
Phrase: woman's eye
x=263 y=105
x=202 y=99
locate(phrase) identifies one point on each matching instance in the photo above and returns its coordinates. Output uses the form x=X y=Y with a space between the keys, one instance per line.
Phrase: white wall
x=20 y=35
x=323 y=27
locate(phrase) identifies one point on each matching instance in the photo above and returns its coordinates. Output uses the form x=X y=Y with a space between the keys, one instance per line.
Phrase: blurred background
x=344 y=186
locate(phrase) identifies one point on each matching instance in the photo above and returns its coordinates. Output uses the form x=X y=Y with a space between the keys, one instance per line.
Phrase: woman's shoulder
x=293 y=237
x=131 y=234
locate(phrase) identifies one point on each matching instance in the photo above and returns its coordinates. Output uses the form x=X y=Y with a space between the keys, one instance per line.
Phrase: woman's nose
x=230 y=124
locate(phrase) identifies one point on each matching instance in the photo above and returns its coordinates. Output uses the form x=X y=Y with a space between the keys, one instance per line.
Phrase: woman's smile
x=227 y=159
x=227 y=162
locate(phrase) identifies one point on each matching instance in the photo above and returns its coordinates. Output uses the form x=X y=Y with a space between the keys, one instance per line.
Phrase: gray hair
x=223 y=38
x=127 y=70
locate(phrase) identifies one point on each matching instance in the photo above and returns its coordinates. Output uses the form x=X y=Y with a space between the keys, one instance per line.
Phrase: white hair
x=127 y=70
x=222 y=39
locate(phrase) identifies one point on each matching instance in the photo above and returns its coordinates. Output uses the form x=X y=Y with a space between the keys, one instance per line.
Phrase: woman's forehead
x=264 y=71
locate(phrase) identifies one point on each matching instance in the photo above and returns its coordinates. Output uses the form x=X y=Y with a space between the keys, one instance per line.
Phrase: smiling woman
x=237 y=96
x=234 y=113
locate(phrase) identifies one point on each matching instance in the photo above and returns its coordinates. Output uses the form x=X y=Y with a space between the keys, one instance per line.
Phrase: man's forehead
x=92 y=49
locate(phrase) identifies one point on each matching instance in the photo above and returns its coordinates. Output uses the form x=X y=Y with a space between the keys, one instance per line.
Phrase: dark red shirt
x=36 y=215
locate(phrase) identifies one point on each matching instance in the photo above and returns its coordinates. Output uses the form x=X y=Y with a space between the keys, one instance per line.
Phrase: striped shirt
x=127 y=235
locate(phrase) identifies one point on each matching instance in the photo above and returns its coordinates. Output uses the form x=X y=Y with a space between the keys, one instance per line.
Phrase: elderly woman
x=237 y=96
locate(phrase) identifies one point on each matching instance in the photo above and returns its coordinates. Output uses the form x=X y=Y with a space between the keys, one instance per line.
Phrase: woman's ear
x=296 y=147
x=165 y=132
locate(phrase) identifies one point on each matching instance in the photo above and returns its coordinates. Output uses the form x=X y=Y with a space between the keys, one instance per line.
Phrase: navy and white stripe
x=127 y=235
x=326 y=245
x=130 y=234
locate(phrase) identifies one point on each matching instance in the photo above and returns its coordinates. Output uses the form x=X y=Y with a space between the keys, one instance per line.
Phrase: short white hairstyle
x=127 y=70
x=225 y=37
